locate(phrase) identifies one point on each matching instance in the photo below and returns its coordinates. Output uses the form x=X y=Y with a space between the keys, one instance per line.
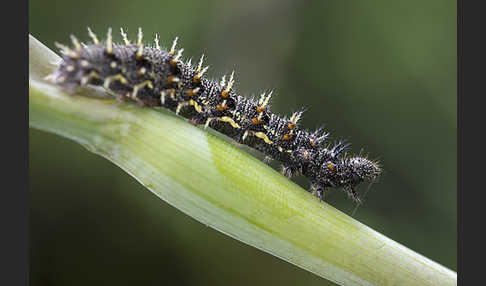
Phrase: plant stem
x=224 y=187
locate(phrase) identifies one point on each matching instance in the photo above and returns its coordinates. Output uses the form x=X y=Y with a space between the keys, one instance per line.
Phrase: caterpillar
x=153 y=76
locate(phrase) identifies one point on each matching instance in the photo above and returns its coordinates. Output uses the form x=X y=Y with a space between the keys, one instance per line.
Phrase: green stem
x=224 y=187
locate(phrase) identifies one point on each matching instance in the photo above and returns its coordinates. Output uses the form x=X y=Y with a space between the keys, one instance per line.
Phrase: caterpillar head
x=347 y=173
x=359 y=169
x=362 y=169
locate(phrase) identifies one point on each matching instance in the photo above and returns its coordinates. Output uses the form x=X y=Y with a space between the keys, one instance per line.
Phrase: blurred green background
x=381 y=74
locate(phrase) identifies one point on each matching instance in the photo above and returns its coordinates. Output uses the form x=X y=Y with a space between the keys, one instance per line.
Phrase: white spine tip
x=139 y=52
x=109 y=42
x=76 y=43
x=172 y=49
x=201 y=73
x=230 y=82
x=93 y=36
x=125 y=37
x=199 y=66
x=179 y=54
x=157 y=46
x=140 y=37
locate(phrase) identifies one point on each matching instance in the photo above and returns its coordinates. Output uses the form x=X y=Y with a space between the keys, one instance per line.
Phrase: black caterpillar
x=156 y=77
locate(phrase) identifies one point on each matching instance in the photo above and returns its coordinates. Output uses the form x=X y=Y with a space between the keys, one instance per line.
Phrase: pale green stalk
x=224 y=187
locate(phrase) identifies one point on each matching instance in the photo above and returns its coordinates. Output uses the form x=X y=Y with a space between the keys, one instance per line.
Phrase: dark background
x=381 y=74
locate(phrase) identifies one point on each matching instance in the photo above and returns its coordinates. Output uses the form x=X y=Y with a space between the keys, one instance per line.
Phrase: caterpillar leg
x=290 y=171
x=286 y=171
x=193 y=121
x=267 y=160
x=318 y=191
x=208 y=121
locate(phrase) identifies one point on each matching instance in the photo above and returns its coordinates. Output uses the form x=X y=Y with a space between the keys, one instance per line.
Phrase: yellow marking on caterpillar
x=92 y=74
x=193 y=92
x=190 y=102
x=207 y=122
x=197 y=107
x=93 y=36
x=263 y=136
x=230 y=121
x=139 y=86
x=109 y=79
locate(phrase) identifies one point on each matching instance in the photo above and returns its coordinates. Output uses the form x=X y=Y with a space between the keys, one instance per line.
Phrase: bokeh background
x=379 y=73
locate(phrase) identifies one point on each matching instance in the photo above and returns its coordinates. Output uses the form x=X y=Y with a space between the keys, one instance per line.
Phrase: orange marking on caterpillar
x=193 y=92
x=287 y=136
x=256 y=121
x=331 y=167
